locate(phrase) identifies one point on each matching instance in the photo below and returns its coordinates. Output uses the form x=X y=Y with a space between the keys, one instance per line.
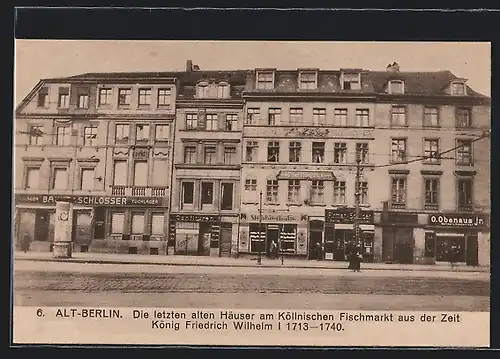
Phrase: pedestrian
x=273 y=250
x=351 y=256
x=318 y=251
x=25 y=243
x=359 y=258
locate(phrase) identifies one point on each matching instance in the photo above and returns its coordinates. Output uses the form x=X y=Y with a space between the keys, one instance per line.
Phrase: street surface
x=54 y=284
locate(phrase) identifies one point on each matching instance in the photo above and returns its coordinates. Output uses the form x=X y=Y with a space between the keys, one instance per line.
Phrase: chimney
x=189 y=65
x=196 y=68
x=394 y=67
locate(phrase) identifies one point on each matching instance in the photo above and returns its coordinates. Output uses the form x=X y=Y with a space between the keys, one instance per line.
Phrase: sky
x=37 y=59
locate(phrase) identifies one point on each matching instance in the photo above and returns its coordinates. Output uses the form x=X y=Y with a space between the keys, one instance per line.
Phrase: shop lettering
x=348 y=216
x=456 y=221
x=89 y=200
x=307 y=132
x=276 y=218
x=102 y=200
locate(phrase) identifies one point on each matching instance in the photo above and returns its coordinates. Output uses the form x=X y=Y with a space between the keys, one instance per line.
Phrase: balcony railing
x=139 y=191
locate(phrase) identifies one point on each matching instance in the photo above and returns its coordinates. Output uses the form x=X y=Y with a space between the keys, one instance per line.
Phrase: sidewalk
x=244 y=261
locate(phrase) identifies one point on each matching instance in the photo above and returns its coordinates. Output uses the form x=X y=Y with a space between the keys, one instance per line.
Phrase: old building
x=96 y=140
x=206 y=176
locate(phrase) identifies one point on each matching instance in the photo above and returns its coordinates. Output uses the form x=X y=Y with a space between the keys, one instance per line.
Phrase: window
x=87 y=179
x=90 y=135
x=105 y=96
x=250 y=184
x=398 y=192
x=319 y=116
x=231 y=122
x=120 y=173
x=340 y=152
x=265 y=80
x=162 y=132
x=209 y=156
x=63 y=100
x=122 y=133
x=431 y=193
x=190 y=154
x=307 y=80
x=207 y=193
x=187 y=192
x=157 y=224
x=211 y=122
x=117 y=222
x=141 y=132
x=340 y=117
x=272 y=189
x=60 y=178
x=293 y=191
x=137 y=224
x=317 y=191
x=229 y=155
x=274 y=116
x=223 y=91
x=124 y=96
x=362 y=117
x=251 y=151
x=164 y=97
x=464 y=152
x=318 y=152
x=32 y=177
x=191 y=121
x=431 y=151
x=351 y=82
x=464 y=194
x=203 y=90
x=140 y=173
x=458 y=88
x=398 y=116
x=362 y=152
x=295 y=116
x=362 y=190
x=227 y=196
x=273 y=151
x=339 y=190
x=63 y=136
x=42 y=100
x=144 y=97
x=396 y=87
x=463 y=118
x=398 y=150
x=253 y=116
x=83 y=100
x=35 y=134
x=161 y=172
x=294 y=151
x=431 y=118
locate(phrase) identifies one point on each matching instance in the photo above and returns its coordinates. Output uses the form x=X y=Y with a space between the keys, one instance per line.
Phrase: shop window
x=318 y=152
x=257 y=238
x=273 y=151
x=294 y=151
x=137 y=224
x=227 y=196
x=132 y=250
x=450 y=249
x=153 y=251
x=288 y=238
x=207 y=193
x=187 y=192
x=117 y=222
x=157 y=224
x=340 y=152
x=430 y=245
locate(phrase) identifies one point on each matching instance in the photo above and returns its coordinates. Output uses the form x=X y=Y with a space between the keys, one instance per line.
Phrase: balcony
x=139 y=191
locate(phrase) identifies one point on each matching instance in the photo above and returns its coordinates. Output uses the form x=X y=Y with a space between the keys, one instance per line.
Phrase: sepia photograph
x=238 y=176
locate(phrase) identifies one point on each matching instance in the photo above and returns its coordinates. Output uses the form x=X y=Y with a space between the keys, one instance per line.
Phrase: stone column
x=419 y=247
x=484 y=249
x=63 y=246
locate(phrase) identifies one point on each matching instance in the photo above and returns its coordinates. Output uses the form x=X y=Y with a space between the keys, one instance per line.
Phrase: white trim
x=363 y=227
x=367 y=227
x=316 y=218
x=449 y=234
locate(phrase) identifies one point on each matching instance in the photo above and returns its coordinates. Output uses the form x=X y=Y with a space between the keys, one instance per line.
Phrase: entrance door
x=272 y=235
x=42 y=222
x=314 y=240
x=204 y=239
x=403 y=251
x=472 y=250
x=225 y=240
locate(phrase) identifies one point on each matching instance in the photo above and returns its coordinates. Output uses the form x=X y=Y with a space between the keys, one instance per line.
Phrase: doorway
x=42 y=224
x=204 y=239
x=225 y=239
x=315 y=238
x=273 y=234
x=472 y=250
x=403 y=248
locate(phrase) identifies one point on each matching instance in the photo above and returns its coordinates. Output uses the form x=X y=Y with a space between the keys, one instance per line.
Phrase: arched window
x=202 y=90
x=223 y=90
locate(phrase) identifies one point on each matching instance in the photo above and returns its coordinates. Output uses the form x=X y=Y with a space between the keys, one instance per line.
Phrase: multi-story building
x=103 y=142
x=206 y=176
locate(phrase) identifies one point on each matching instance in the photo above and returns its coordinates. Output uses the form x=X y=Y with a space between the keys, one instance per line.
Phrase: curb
x=94 y=261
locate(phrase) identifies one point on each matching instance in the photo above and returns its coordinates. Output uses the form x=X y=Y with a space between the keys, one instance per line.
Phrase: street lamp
x=259 y=258
x=357 y=200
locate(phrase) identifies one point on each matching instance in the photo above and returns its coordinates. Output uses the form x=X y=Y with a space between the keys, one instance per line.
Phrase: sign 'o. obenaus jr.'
x=456 y=220
x=89 y=200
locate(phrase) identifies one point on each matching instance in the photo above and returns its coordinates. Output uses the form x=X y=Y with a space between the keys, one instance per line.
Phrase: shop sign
x=400 y=217
x=306 y=175
x=195 y=218
x=456 y=220
x=347 y=216
x=309 y=132
x=89 y=200
x=274 y=217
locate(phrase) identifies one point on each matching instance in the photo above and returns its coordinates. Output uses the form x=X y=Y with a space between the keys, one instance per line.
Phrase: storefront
x=340 y=235
x=398 y=237
x=100 y=223
x=456 y=238
x=288 y=231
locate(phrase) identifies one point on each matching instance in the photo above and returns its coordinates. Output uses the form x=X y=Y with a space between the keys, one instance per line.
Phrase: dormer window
x=223 y=90
x=308 y=80
x=265 y=80
x=351 y=81
x=202 y=90
x=458 y=88
x=396 y=87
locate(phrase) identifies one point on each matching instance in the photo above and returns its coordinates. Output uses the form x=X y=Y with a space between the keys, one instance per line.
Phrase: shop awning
x=363 y=227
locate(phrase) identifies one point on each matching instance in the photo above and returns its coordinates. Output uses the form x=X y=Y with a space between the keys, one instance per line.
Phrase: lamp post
x=259 y=258
x=356 y=203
